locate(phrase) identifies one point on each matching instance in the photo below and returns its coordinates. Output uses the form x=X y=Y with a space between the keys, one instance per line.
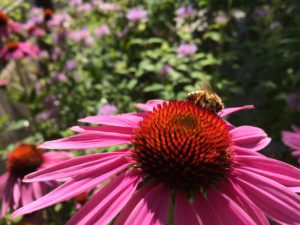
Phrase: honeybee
x=206 y=98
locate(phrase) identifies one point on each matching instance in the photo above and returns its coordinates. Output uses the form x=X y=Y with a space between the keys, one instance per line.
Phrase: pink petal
x=279 y=203
x=3 y=181
x=17 y=193
x=237 y=195
x=184 y=212
x=228 y=111
x=88 y=141
x=250 y=138
x=76 y=166
x=121 y=120
x=74 y=187
x=228 y=210
x=108 y=202
x=149 y=206
x=7 y=194
x=37 y=189
x=27 y=194
x=52 y=158
x=278 y=171
x=149 y=105
x=112 y=129
x=296 y=128
x=291 y=139
x=207 y=214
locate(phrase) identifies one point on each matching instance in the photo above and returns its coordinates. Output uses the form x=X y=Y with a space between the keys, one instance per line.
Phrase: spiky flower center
x=12 y=46
x=184 y=146
x=48 y=13
x=3 y=19
x=24 y=159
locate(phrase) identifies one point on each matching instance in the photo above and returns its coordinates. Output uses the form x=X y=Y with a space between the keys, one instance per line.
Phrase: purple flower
x=166 y=69
x=102 y=31
x=185 y=11
x=261 y=13
x=107 y=7
x=85 y=7
x=70 y=64
x=59 y=77
x=136 y=14
x=59 y=19
x=293 y=101
x=82 y=36
x=75 y=3
x=107 y=109
x=186 y=49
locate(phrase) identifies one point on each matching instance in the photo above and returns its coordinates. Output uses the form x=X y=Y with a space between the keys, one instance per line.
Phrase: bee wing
x=205 y=86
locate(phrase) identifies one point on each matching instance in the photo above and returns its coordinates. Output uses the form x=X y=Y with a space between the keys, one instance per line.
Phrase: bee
x=206 y=98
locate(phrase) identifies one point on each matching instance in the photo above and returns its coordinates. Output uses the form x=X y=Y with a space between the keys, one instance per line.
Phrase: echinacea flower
x=7 y=26
x=23 y=160
x=292 y=140
x=182 y=158
x=18 y=50
x=136 y=14
x=186 y=49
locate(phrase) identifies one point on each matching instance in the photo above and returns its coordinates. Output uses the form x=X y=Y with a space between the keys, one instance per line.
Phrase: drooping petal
x=88 y=141
x=207 y=214
x=3 y=181
x=76 y=166
x=37 y=188
x=74 y=187
x=278 y=171
x=228 y=111
x=27 y=194
x=184 y=212
x=17 y=193
x=228 y=210
x=122 y=120
x=275 y=200
x=237 y=195
x=7 y=194
x=248 y=137
x=107 y=203
x=149 y=105
x=149 y=206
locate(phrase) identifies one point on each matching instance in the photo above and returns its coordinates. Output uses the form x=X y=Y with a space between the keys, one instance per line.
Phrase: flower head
x=7 y=26
x=102 y=31
x=18 y=50
x=292 y=140
x=82 y=36
x=186 y=49
x=23 y=160
x=179 y=152
x=107 y=109
x=136 y=14
x=185 y=11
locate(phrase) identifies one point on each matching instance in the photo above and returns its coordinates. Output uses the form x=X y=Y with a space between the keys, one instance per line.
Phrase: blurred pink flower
x=106 y=6
x=33 y=30
x=107 y=109
x=186 y=11
x=166 y=69
x=102 y=31
x=136 y=14
x=4 y=82
x=186 y=49
x=82 y=36
x=23 y=160
x=18 y=50
x=70 y=64
x=59 y=20
x=7 y=26
x=292 y=140
x=85 y=7
x=178 y=151
x=75 y=3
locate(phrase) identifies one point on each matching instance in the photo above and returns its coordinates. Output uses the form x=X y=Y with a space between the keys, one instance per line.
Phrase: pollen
x=24 y=159
x=183 y=145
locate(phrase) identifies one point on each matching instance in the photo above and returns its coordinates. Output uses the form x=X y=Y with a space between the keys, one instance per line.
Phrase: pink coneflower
x=48 y=14
x=7 y=26
x=18 y=50
x=186 y=11
x=181 y=153
x=136 y=14
x=292 y=140
x=23 y=160
x=102 y=31
x=186 y=49
x=33 y=29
